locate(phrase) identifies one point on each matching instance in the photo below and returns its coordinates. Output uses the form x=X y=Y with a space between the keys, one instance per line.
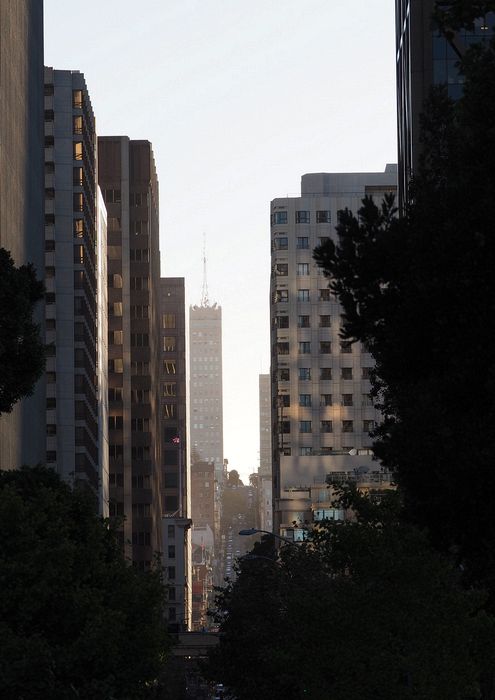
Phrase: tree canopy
x=419 y=293
x=22 y=353
x=75 y=620
x=363 y=609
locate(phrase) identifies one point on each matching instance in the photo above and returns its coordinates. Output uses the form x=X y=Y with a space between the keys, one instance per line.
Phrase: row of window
x=282 y=269
x=283 y=400
x=326 y=426
x=324 y=348
x=325 y=321
x=302 y=242
x=282 y=295
x=302 y=216
x=304 y=373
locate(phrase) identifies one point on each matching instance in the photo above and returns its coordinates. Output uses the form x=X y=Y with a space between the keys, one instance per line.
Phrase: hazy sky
x=239 y=99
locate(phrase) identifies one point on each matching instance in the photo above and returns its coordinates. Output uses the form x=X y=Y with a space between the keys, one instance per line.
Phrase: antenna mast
x=204 y=292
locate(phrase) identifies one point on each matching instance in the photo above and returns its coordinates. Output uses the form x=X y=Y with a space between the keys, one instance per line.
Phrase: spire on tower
x=204 y=292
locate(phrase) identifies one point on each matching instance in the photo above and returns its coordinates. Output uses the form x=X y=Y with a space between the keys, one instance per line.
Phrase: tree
x=364 y=609
x=419 y=293
x=22 y=353
x=75 y=620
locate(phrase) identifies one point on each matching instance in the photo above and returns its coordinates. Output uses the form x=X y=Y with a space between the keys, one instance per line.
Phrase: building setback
x=22 y=432
x=129 y=184
x=75 y=263
x=321 y=407
x=175 y=474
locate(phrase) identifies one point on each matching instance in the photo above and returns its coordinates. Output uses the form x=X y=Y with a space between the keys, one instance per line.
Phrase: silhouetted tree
x=22 y=353
x=75 y=620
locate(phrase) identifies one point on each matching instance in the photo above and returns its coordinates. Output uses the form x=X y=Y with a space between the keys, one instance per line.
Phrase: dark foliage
x=75 y=620
x=22 y=353
x=365 y=609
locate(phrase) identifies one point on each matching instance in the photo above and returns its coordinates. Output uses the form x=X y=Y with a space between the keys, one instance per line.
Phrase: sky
x=239 y=99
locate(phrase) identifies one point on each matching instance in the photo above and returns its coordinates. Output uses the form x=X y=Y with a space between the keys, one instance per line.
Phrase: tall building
x=265 y=468
x=425 y=57
x=22 y=432
x=75 y=278
x=128 y=180
x=175 y=476
x=322 y=411
x=205 y=364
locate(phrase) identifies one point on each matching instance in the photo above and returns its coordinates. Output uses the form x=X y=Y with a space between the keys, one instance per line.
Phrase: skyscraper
x=425 y=57
x=175 y=478
x=205 y=353
x=22 y=432
x=128 y=180
x=75 y=263
x=322 y=412
x=265 y=468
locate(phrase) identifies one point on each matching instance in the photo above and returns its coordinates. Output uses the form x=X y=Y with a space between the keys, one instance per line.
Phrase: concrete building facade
x=75 y=264
x=265 y=467
x=128 y=180
x=22 y=432
x=206 y=406
x=175 y=472
x=322 y=411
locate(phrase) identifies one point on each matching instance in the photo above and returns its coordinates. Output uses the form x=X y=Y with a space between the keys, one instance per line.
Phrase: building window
x=368 y=426
x=346 y=399
x=302 y=243
x=140 y=425
x=77 y=99
x=78 y=177
x=281 y=295
x=366 y=400
x=78 y=150
x=51 y=429
x=325 y=399
x=168 y=321
x=282 y=321
x=303 y=269
x=326 y=426
x=325 y=347
x=171 y=551
x=303 y=295
x=170 y=389
x=281 y=269
x=116 y=337
x=285 y=425
x=347 y=426
x=50 y=271
x=77 y=124
x=302 y=217
x=51 y=456
x=116 y=366
x=169 y=367
x=283 y=375
x=303 y=321
x=49 y=298
x=346 y=373
x=115 y=422
x=139 y=283
x=305 y=451
x=305 y=400
x=366 y=372
x=283 y=400
x=325 y=321
x=304 y=373
x=112 y=196
x=281 y=243
x=115 y=394
x=305 y=348
x=325 y=373
x=78 y=201
x=171 y=532
x=139 y=340
x=116 y=308
x=323 y=216
x=325 y=294
x=51 y=403
x=282 y=348
x=305 y=426
x=169 y=343
x=169 y=410
x=78 y=228
x=117 y=452
x=346 y=347
x=280 y=217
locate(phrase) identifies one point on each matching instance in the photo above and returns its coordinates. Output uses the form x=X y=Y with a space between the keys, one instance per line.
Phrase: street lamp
x=255 y=531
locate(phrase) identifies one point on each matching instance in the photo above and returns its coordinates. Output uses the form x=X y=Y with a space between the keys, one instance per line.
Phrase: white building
x=265 y=468
x=321 y=407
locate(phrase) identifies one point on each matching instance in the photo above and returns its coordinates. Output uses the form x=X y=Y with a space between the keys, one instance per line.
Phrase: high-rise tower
x=75 y=271
x=22 y=432
x=128 y=180
x=322 y=412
